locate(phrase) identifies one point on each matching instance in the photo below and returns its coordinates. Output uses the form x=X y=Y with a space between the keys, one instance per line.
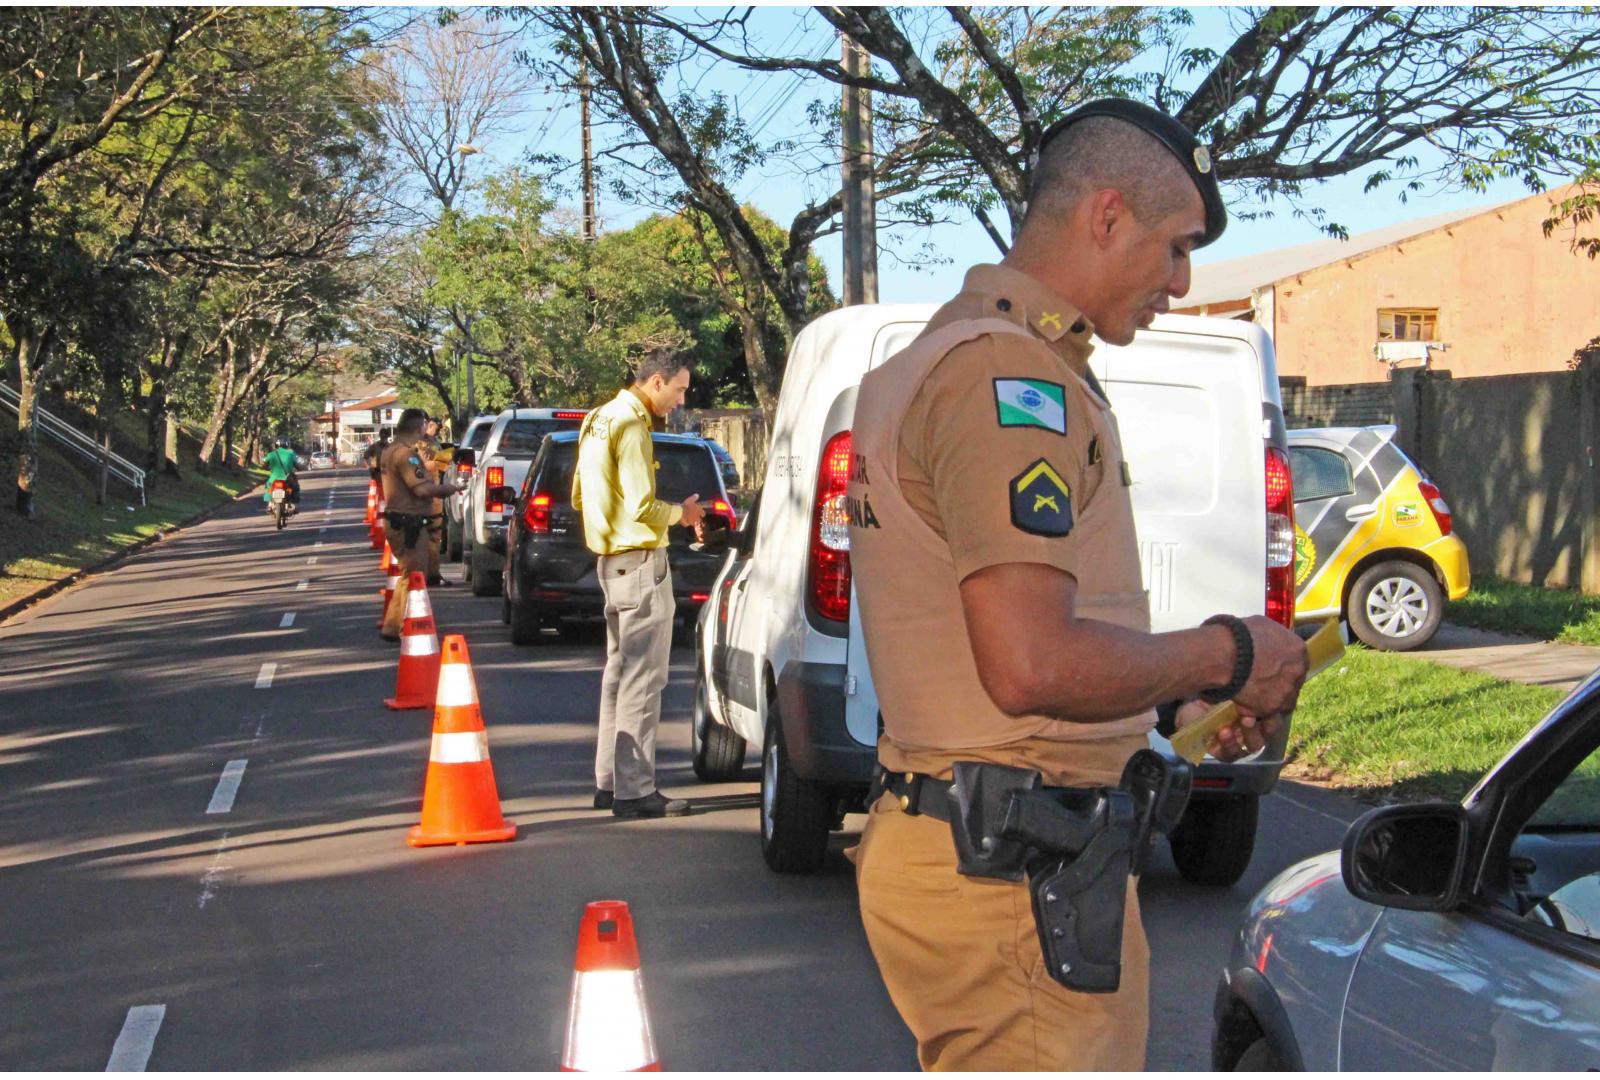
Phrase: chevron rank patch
x=1041 y=501
x=1031 y=403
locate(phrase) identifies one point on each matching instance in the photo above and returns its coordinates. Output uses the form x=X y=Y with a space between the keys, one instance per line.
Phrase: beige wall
x=1509 y=300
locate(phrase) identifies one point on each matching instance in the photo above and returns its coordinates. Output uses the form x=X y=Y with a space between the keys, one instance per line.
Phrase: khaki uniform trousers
x=639 y=608
x=413 y=559
x=960 y=958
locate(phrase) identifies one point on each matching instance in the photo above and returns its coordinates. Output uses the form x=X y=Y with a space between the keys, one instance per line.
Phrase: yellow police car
x=1373 y=539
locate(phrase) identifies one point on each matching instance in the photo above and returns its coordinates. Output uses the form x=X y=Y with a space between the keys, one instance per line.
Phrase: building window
x=1408 y=324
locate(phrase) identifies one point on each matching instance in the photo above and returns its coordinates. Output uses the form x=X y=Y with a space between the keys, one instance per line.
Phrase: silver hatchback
x=1461 y=936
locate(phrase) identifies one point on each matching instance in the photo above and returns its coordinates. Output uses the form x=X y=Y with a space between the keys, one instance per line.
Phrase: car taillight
x=829 y=571
x=463 y=471
x=699 y=597
x=536 y=515
x=720 y=506
x=494 y=477
x=279 y=485
x=1436 y=503
x=1280 y=538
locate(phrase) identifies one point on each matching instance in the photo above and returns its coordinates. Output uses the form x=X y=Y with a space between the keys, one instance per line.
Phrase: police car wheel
x=1213 y=843
x=795 y=813
x=717 y=751
x=1395 y=606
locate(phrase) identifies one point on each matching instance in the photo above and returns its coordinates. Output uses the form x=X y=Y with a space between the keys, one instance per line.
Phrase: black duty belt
x=1077 y=846
x=410 y=526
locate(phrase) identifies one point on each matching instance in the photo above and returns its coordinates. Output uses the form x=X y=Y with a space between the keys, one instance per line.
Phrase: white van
x=1197 y=404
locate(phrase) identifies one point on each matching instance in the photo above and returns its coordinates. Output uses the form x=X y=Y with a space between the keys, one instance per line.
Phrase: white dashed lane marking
x=287 y=620
x=227 y=787
x=131 y=1051
x=311 y=561
x=302 y=586
x=264 y=679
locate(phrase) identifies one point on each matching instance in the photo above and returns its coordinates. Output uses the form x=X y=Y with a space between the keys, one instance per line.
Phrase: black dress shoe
x=437 y=582
x=603 y=799
x=386 y=637
x=652 y=805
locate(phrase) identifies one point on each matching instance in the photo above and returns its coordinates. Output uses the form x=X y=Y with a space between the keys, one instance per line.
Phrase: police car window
x=521 y=438
x=1319 y=474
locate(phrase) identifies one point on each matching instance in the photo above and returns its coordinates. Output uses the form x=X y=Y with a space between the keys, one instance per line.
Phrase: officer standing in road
x=993 y=549
x=614 y=486
x=408 y=494
x=428 y=450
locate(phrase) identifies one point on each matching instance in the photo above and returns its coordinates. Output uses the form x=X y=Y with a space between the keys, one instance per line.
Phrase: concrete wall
x=1513 y=456
x=1509 y=299
x=1351 y=405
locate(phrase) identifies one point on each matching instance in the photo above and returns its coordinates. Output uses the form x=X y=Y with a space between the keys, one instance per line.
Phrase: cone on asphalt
x=372 y=502
x=608 y=1026
x=459 y=801
x=376 y=531
x=417 y=680
x=391 y=579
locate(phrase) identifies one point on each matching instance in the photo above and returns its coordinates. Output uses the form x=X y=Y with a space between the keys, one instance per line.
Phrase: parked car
x=550 y=574
x=321 y=460
x=502 y=462
x=1442 y=936
x=472 y=438
x=1373 y=537
x=782 y=663
x=730 y=471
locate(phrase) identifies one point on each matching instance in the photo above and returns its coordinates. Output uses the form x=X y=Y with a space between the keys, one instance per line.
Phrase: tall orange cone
x=372 y=502
x=417 y=681
x=459 y=802
x=608 y=1026
x=391 y=579
x=377 y=525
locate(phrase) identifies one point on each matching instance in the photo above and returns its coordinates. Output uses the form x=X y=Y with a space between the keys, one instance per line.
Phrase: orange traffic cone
x=372 y=502
x=391 y=578
x=459 y=802
x=417 y=681
x=608 y=1026
x=376 y=530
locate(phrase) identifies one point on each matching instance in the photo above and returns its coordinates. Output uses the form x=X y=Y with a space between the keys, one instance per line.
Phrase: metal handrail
x=76 y=442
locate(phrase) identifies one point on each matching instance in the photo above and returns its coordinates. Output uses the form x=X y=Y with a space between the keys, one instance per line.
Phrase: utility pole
x=860 y=213
x=589 y=224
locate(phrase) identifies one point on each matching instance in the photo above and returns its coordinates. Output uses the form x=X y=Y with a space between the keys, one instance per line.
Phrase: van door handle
x=1361 y=513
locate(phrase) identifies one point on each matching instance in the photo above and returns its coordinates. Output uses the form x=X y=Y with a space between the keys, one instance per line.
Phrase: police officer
x=408 y=494
x=428 y=450
x=997 y=570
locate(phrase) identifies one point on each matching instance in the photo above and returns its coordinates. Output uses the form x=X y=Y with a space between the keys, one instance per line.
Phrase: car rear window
x=478 y=436
x=521 y=438
x=682 y=470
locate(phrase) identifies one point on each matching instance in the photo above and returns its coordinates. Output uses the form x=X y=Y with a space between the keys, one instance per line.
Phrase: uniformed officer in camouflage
x=408 y=494
x=434 y=461
x=1000 y=592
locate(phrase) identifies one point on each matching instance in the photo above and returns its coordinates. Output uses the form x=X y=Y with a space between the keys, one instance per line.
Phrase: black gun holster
x=410 y=526
x=1078 y=848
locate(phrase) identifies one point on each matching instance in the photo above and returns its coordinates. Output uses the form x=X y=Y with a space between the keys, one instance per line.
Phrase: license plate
x=278 y=495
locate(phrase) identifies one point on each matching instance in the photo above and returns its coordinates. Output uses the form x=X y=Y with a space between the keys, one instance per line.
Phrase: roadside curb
x=115 y=559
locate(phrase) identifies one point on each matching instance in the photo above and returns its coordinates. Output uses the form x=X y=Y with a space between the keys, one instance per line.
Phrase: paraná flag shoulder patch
x=1041 y=501
x=1031 y=403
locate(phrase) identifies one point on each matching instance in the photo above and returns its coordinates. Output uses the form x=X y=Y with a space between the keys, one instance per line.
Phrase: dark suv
x=550 y=573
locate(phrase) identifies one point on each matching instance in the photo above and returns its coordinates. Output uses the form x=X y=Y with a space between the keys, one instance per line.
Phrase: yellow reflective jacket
x=614 y=485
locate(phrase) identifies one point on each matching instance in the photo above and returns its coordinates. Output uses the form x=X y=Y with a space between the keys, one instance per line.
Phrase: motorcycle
x=279 y=504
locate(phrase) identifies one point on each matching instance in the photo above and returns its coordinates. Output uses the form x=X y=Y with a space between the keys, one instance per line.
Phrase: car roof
x=658 y=436
x=540 y=413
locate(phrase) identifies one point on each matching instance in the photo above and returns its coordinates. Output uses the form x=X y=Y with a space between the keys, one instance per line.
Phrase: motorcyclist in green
x=282 y=461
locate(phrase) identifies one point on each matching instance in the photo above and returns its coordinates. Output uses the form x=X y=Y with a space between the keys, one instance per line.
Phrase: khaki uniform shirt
x=614 y=485
x=985 y=441
x=404 y=471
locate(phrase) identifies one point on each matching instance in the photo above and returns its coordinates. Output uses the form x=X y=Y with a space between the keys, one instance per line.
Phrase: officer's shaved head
x=1100 y=152
x=411 y=421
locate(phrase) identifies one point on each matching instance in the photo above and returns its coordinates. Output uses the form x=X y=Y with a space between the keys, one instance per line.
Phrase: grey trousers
x=639 y=609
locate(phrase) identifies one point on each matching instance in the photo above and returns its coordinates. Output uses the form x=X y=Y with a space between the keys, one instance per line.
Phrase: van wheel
x=485 y=581
x=795 y=813
x=718 y=751
x=527 y=625
x=1213 y=843
x=1395 y=606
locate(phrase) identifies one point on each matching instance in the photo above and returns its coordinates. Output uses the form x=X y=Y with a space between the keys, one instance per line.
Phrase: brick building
x=1477 y=292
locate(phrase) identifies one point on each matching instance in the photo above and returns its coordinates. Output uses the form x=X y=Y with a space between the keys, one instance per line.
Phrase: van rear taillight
x=536 y=515
x=828 y=575
x=1436 y=503
x=494 y=477
x=1280 y=538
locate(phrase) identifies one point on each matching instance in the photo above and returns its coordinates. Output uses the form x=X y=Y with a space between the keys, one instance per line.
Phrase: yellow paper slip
x=1191 y=742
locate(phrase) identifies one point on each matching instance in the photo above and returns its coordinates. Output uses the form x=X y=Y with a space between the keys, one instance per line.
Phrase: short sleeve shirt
x=404 y=472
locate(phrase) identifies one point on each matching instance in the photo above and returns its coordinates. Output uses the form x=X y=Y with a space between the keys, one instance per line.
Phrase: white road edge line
x=131 y=1051
x=287 y=620
x=1310 y=809
x=264 y=677
x=302 y=586
x=227 y=787
x=213 y=874
x=318 y=543
x=311 y=561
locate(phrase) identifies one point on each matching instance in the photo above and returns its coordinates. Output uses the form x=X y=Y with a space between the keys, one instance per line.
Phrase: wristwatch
x=1244 y=659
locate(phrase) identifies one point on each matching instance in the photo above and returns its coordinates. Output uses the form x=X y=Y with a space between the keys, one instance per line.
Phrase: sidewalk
x=1509 y=656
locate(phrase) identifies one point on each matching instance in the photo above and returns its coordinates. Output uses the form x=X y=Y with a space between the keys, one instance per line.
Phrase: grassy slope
x=1547 y=614
x=70 y=531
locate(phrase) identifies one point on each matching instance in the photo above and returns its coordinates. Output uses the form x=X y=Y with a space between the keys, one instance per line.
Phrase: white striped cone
x=459 y=803
x=417 y=681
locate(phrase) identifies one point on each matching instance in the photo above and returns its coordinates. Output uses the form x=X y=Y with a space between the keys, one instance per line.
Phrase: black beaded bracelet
x=1244 y=659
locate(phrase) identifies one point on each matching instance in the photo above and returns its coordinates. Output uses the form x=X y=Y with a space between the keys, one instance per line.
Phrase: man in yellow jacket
x=614 y=487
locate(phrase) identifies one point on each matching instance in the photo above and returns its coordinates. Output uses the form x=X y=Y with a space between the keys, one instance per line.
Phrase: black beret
x=1190 y=152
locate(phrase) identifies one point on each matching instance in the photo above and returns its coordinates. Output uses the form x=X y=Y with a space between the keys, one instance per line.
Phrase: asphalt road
x=293 y=928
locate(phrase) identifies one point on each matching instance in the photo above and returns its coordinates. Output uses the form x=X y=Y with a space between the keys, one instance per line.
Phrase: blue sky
x=930 y=261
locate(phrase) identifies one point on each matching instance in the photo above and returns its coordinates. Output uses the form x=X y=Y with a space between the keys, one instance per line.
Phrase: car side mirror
x=464 y=456
x=1412 y=857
